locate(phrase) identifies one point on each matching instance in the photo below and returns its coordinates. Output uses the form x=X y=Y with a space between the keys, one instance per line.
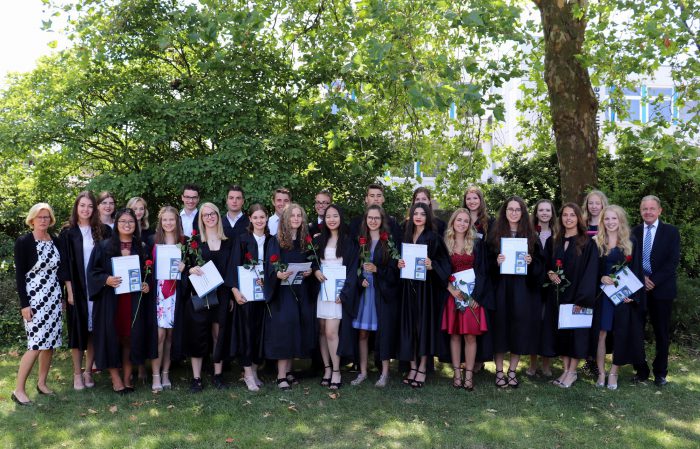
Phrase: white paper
x=168 y=259
x=208 y=281
x=297 y=275
x=627 y=285
x=570 y=320
x=515 y=250
x=248 y=285
x=414 y=255
x=129 y=269
x=465 y=280
x=335 y=280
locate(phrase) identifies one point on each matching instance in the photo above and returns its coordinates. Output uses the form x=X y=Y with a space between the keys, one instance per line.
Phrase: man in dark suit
x=322 y=201
x=661 y=247
x=235 y=222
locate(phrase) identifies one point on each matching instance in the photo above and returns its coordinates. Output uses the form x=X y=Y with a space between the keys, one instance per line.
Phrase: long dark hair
x=254 y=208
x=501 y=227
x=136 y=242
x=410 y=227
x=326 y=233
x=552 y=221
x=581 y=228
x=384 y=227
x=95 y=223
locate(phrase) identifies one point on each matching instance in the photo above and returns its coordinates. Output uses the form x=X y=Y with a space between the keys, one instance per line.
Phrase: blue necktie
x=646 y=251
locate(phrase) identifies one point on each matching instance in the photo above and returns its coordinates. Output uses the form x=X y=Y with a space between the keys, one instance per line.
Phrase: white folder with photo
x=297 y=276
x=335 y=280
x=208 y=281
x=569 y=319
x=414 y=256
x=168 y=258
x=515 y=250
x=627 y=285
x=129 y=269
x=248 y=283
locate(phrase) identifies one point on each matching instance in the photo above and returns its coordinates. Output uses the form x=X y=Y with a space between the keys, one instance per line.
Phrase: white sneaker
x=383 y=380
x=360 y=378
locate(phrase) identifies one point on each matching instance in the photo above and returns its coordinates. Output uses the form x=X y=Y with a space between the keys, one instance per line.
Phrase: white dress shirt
x=187 y=222
x=273 y=223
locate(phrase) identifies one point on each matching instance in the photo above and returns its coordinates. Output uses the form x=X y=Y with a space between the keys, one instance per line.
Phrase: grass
x=537 y=415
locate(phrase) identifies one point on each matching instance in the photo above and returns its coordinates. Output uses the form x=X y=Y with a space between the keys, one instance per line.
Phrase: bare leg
x=469 y=360
x=196 y=367
x=117 y=383
x=565 y=363
x=512 y=368
x=547 y=366
x=282 y=367
x=77 y=357
x=600 y=358
x=532 y=369
x=573 y=375
x=89 y=361
x=218 y=366
x=612 y=377
x=500 y=377
x=364 y=350
x=26 y=364
x=126 y=361
x=165 y=361
x=421 y=374
x=45 y=357
x=331 y=333
x=156 y=363
x=325 y=355
x=455 y=354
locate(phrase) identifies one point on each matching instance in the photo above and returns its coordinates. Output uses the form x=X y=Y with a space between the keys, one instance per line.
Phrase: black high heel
x=326 y=381
x=336 y=385
x=20 y=403
x=418 y=383
x=457 y=378
x=512 y=380
x=407 y=380
x=468 y=382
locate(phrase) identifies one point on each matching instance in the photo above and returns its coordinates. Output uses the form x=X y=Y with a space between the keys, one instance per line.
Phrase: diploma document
x=414 y=255
x=515 y=250
x=297 y=275
x=168 y=259
x=129 y=269
x=335 y=280
x=465 y=280
x=248 y=283
x=568 y=319
x=208 y=281
x=627 y=284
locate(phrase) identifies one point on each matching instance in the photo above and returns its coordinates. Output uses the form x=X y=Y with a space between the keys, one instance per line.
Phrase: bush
x=685 y=321
x=11 y=329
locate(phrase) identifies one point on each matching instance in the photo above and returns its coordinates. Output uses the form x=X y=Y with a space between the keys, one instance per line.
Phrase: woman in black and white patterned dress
x=39 y=271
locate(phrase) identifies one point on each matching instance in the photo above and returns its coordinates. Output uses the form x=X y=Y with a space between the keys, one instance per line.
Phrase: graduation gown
x=395 y=229
x=420 y=313
x=386 y=302
x=77 y=314
x=517 y=312
x=582 y=271
x=350 y=301
x=197 y=325
x=550 y=309
x=626 y=340
x=241 y=227
x=290 y=328
x=246 y=335
x=144 y=331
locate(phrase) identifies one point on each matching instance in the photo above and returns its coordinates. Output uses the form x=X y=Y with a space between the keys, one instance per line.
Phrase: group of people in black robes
x=299 y=316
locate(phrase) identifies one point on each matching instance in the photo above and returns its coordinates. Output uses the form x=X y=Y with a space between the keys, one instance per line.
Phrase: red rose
x=194 y=244
x=274 y=258
x=628 y=259
x=363 y=241
x=384 y=236
x=149 y=263
x=194 y=232
x=452 y=278
x=309 y=239
x=248 y=256
x=559 y=263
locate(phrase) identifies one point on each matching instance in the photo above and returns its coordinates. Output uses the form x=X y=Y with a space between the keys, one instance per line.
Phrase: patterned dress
x=44 y=291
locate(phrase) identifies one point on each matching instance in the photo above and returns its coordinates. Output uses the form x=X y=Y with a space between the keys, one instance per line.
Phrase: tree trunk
x=573 y=103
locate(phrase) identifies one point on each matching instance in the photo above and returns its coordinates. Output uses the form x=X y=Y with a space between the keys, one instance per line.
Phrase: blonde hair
x=584 y=206
x=482 y=213
x=143 y=222
x=34 y=211
x=602 y=239
x=284 y=232
x=160 y=233
x=202 y=227
x=450 y=236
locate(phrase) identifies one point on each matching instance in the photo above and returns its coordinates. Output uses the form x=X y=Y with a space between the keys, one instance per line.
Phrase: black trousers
x=659 y=311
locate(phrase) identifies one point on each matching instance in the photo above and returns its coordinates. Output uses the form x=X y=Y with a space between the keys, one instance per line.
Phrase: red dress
x=122 y=319
x=471 y=321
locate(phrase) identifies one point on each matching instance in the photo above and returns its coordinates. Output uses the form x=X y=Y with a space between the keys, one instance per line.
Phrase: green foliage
x=11 y=330
x=685 y=321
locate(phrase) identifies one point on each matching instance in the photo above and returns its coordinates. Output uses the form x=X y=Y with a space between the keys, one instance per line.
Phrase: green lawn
x=537 y=415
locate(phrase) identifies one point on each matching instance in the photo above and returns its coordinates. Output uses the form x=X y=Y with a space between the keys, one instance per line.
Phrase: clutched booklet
x=570 y=319
x=129 y=269
x=248 y=283
x=627 y=285
x=515 y=250
x=334 y=283
x=168 y=258
x=414 y=256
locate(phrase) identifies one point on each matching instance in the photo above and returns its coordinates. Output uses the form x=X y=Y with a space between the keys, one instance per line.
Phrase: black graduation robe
x=144 y=332
x=241 y=226
x=550 y=309
x=290 y=328
x=395 y=228
x=77 y=314
x=246 y=334
x=582 y=271
x=626 y=340
x=347 y=343
x=197 y=325
x=517 y=312
x=420 y=313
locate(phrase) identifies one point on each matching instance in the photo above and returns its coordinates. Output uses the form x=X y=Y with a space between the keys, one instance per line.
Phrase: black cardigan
x=26 y=257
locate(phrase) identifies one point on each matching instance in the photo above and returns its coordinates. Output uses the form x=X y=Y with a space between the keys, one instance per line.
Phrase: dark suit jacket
x=665 y=256
x=239 y=228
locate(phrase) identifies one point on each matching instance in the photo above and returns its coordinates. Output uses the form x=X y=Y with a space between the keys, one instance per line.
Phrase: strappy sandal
x=457 y=378
x=336 y=385
x=557 y=382
x=501 y=381
x=326 y=381
x=418 y=383
x=612 y=386
x=156 y=386
x=165 y=381
x=408 y=380
x=283 y=387
x=469 y=382
x=512 y=380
